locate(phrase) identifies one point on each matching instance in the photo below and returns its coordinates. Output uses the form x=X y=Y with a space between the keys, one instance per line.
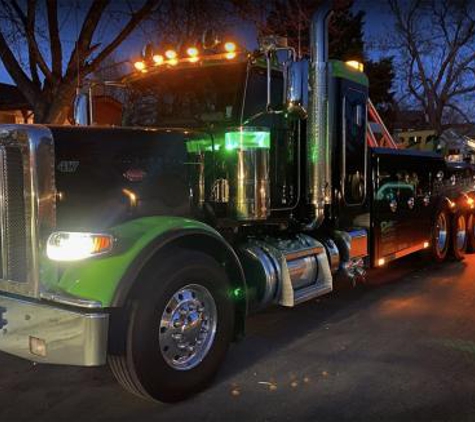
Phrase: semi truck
x=239 y=181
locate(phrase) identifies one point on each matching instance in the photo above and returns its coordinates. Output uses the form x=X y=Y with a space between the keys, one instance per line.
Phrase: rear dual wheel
x=458 y=236
x=471 y=231
x=440 y=236
x=450 y=235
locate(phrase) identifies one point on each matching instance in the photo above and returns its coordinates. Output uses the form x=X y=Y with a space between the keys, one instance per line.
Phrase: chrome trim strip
x=69 y=300
x=3 y=243
x=403 y=252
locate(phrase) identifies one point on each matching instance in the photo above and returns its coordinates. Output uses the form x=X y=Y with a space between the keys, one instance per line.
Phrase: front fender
x=107 y=279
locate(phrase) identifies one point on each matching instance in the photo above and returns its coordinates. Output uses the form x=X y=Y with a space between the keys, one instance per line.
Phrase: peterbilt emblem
x=3 y=321
x=135 y=175
x=67 y=166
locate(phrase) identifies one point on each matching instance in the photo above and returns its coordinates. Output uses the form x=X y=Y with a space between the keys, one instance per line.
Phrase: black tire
x=440 y=248
x=458 y=242
x=471 y=232
x=141 y=367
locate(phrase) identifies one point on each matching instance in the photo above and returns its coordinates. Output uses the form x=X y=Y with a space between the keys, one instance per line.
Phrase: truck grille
x=13 y=233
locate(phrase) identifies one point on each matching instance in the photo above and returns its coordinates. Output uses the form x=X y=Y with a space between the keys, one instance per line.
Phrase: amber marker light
x=158 y=59
x=230 y=56
x=170 y=54
x=426 y=245
x=140 y=65
x=381 y=262
x=230 y=47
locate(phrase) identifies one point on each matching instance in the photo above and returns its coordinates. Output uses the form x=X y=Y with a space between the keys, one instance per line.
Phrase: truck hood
x=105 y=176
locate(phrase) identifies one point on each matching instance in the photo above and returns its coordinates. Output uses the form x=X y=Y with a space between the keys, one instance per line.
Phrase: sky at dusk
x=376 y=26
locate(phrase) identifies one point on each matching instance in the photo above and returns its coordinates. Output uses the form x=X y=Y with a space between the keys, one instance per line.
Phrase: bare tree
x=436 y=43
x=47 y=78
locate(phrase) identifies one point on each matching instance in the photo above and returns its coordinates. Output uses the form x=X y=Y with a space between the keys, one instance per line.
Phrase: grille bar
x=13 y=233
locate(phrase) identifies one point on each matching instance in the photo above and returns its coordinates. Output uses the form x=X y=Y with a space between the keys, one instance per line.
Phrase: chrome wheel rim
x=188 y=327
x=441 y=233
x=461 y=232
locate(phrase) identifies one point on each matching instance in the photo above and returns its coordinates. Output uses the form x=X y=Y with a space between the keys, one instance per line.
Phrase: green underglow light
x=247 y=139
x=237 y=293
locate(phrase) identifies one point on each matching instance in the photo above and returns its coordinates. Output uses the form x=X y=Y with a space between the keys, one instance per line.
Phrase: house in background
x=14 y=108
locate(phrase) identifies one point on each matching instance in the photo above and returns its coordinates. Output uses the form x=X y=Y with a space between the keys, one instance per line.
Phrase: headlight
x=75 y=246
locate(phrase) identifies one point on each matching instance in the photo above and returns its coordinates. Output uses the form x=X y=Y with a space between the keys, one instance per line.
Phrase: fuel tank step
x=286 y=271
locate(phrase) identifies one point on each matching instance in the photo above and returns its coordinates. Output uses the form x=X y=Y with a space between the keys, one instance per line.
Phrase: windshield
x=186 y=97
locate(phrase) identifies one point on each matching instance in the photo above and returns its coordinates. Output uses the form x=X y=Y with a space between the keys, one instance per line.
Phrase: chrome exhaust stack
x=318 y=145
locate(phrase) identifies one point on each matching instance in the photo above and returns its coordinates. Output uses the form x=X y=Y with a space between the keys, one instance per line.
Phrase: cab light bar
x=76 y=246
x=170 y=57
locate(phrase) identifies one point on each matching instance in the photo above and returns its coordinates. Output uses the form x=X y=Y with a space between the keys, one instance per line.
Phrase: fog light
x=37 y=346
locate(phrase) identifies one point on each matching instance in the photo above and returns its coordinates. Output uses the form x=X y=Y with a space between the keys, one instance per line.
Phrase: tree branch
x=29 y=26
x=135 y=19
x=27 y=87
x=89 y=26
x=56 y=48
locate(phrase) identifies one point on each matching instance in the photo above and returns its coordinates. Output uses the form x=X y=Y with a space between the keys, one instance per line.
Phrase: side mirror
x=297 y=89
x=83 y=109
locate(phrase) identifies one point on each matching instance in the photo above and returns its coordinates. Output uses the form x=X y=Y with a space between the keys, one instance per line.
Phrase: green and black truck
x=238 y=181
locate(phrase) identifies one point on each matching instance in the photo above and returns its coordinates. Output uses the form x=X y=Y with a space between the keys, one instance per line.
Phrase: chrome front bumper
x=46 y=333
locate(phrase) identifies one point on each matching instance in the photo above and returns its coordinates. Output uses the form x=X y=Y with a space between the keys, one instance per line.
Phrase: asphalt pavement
x=402 y=349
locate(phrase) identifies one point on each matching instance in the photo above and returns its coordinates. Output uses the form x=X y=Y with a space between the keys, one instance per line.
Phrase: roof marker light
x=158 y=59
x=170 y=54
x=140 y=65
x=230 y=47
x=192 y=51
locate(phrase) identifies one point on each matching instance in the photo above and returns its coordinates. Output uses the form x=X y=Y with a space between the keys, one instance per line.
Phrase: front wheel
x=180 y=324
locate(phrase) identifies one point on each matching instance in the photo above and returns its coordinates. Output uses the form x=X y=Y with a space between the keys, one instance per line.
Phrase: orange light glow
x=230 y=56
x=173 y=62
x=158 y=59
x=230 y=47
x=426 y=245
x=381 y=262
x=132 y=197
x=192 y=52
x=470 y=202
x=140 y=65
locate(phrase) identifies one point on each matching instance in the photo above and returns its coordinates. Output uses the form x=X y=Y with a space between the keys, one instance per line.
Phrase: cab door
x=354 y=149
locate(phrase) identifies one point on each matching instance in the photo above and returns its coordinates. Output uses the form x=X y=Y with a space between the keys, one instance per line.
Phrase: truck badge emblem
x=68 y=166
x=135 y=175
